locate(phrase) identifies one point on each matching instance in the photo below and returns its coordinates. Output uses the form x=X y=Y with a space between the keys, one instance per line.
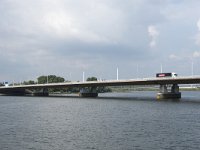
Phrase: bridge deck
x=144 y=81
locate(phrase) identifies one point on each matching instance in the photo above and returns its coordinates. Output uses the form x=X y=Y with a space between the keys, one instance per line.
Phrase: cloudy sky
x=69 y=37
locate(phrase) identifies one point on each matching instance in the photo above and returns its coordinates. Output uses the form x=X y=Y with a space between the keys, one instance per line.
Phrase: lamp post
x=117 y=74
x=83 y=76
x=192 y=68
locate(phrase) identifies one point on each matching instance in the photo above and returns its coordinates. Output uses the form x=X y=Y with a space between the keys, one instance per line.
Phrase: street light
x=83 y=76
x=192 y=69
x=117 y=74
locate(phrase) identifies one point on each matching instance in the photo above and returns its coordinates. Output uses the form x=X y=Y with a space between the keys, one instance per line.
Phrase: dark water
x=125 y=121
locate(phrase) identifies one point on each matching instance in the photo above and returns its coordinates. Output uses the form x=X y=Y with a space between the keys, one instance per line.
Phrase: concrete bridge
x=169 y=86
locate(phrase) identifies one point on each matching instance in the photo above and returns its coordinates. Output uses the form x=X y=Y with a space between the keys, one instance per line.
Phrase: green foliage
x=42 y=79
x=50 y=79
x=99 y=89
x=73 y=90
x=103 y=89
x=28 y=82
x=91 y=79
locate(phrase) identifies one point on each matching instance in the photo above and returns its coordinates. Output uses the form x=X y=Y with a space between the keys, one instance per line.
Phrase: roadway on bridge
x=144 y=81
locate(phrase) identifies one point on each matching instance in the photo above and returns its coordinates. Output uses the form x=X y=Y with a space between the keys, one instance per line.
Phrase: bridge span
x=164 y=92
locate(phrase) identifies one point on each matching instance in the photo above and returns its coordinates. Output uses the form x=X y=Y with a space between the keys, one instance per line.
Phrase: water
x=115 y=121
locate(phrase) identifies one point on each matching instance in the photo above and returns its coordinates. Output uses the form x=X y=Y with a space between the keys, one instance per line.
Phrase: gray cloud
x=64 y=36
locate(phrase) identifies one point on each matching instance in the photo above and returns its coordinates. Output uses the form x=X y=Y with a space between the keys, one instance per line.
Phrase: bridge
x=88 y=88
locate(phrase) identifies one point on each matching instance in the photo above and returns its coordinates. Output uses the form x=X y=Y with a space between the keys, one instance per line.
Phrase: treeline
x=57 y=79
x=46 y=79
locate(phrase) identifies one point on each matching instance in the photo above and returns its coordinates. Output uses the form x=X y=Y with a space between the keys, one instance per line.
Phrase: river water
x=114 y=121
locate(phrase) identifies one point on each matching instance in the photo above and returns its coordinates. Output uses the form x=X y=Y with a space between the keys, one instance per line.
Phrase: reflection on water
x=114 y=121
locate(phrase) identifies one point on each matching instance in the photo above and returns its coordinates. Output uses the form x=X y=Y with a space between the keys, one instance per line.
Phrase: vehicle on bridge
x=6 y=84
x=172 y=74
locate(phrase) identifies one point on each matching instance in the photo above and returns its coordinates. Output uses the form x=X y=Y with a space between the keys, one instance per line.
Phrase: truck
x=6 y=84
x=164 y=75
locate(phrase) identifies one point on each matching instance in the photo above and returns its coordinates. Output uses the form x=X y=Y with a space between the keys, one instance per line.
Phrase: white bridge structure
x=164 y=83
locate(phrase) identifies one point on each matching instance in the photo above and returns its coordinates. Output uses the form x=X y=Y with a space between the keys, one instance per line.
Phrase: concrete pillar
x=175 y=88
x=163 y=89
x=165 y=94
x=42 y=92
x=88 y=92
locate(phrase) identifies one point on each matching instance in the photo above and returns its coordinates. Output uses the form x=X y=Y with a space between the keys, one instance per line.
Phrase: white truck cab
x=6 y=84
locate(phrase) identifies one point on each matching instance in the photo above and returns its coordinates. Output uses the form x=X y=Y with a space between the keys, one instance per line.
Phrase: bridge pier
x=42 y=92
x=165 y=94
x=15 y=92
x=88 y=92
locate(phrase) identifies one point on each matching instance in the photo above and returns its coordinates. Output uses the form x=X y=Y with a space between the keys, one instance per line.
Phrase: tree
x=29 y=82
x=42 y=79
x=50 y=78
x=101 y=89
x=91 y=79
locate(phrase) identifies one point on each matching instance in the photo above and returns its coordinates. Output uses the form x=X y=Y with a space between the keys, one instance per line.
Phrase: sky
x=69 y=37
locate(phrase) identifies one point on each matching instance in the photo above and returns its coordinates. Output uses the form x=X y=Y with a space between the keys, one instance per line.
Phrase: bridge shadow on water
x=132 y=98
x=151 y=98
x=129 y=98
x=183 y=100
